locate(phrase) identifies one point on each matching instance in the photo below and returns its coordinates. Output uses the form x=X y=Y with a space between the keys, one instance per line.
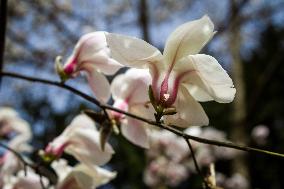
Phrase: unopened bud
x=59 y=69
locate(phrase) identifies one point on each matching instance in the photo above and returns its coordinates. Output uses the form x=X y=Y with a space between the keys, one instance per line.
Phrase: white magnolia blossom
x=181 y=76
x=81 y=176
x=129 y=91
x=11 y=122
x=92 y=55
x=29 y=181
x=81 y=140
x=9 y=162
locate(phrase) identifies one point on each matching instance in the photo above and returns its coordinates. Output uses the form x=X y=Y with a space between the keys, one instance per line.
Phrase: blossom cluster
x=167 y=87
x=170 y=162
x=164 y=87
x=84 y=175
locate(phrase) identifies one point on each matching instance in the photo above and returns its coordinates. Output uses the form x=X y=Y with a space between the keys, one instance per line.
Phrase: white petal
x=86 y=177
x=102 y=62
x=99 y=85
x=135 y=132
x=81 y=121
x=132 y=86
x=188 y=38
x=131 y=51
x=91 y=49
x=81 y=140
x=189 y=111
x=198 y=93
x=207 y=74
x=85 y=146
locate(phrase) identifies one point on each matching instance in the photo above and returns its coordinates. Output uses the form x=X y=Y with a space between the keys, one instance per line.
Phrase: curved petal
x=131 y=51
x=91 y=49
x=188 y=38
x=132 y=86
x=189 y=111
x=135 y=132
x=198 y=93
x=101 y=61
x=85 y=147
x=207 y=74
x=81 y=121
x=84 y=177
x=99 y=84
x=81 y=139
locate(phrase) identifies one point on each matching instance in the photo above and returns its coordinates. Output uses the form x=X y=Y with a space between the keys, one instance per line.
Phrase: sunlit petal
x=190 y=112
x=207 y=74
x=135 y=131
x=188 y=39
x=131 y=51
x=99 y=84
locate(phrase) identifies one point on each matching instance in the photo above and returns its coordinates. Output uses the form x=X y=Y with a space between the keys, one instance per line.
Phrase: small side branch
x=196 y=164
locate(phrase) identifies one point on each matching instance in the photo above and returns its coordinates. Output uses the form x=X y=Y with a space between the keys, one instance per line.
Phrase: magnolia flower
x=129 y=92
x=180 y=77
x=80 y=176
x=86 y=177
x=25 y=181
x=81 y=139
x=11 y=122
x=91 y=55
x=9 y=162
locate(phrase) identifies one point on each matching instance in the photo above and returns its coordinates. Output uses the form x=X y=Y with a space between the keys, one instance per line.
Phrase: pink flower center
x=56 y=151
x=168 y=91
x=70 y=68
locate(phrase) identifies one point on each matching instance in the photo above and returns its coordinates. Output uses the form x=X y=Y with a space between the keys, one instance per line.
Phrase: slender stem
x=195 y=163
x=19 y=156
x=151 y=122
x=3 y=21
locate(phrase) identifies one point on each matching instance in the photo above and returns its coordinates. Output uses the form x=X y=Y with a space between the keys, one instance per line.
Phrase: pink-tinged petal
x=131 y=51
x=189 y=111
x=211 y=81
x=81 y=140
x=132 y=86
x=189 y=38
x=135 y=131
x=85 y=146
x=91 y=49
x=99 y=84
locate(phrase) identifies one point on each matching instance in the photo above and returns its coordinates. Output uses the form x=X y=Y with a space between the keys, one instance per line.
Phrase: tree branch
x=151 y=122
x=3 y=21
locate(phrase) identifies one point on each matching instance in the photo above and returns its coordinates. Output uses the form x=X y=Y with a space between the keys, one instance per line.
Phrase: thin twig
x=18 y=155
x=195 y=163
x=151 y=122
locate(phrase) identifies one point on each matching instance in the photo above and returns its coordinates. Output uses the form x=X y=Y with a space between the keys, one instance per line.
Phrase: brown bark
x=144 y=20
x=3 y=20
x=238 y=130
